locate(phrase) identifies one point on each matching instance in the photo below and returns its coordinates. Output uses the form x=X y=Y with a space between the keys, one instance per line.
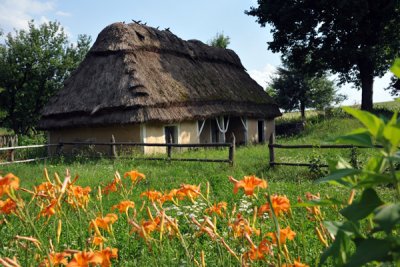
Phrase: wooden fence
x=272 y=146
x=113 y=151
x=11 y=153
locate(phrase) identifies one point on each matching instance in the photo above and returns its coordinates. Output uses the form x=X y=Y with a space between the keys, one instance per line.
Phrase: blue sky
x=188 y=19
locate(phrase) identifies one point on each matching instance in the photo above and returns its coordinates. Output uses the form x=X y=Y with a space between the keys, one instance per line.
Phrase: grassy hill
x=293 y=182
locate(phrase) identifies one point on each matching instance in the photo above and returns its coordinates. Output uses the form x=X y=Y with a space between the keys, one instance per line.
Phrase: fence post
x=271 y=150
x=11 y=153
x=59 y=148
x=232 y=149
x=113 y=151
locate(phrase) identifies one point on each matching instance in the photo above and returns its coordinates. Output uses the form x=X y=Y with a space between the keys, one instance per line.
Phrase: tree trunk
x=303 y=110
x=367 y=82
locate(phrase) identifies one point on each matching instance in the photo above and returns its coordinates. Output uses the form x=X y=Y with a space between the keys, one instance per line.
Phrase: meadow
x=180 y=213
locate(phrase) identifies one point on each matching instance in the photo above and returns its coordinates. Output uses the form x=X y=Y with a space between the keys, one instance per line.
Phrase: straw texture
x=135 y=73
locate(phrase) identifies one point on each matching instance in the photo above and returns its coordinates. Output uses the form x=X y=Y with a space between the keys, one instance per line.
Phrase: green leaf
x=372 y=122
x=392 y=134
x=396 y=67
x=339 y=250
x=387 y=217
x=375 y=165
x=371 y=249
x=393 y=120
x=360 y=137
x=365 y=206
x=348 y=228
x=337 y=176
x=369 y=179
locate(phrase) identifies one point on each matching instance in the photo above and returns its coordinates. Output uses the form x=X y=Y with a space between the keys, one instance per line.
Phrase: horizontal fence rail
x=272 y=146
x=25 y=147
x=113 y=152
x=11 y=153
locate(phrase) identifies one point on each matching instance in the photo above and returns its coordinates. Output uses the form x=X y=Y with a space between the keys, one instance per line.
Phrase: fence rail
x=272 y=146
x=113 y=151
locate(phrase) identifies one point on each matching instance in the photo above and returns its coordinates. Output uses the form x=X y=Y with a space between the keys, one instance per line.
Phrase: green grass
x=389 y=105
x=161 y=175
x=248 y=160
x=4 y=131
x=317 y=115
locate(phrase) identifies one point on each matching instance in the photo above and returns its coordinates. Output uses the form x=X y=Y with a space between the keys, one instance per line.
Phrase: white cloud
x=263 y=76
x=63 y=14
x=43 y=20
x=17 y=13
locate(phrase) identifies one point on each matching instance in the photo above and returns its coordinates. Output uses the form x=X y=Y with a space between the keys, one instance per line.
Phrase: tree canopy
x=356 y=39
x=220 y=40
x=33 y=66
x=292 y=89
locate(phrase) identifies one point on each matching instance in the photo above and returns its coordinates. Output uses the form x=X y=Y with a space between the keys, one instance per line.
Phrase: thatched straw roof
x=134 y=73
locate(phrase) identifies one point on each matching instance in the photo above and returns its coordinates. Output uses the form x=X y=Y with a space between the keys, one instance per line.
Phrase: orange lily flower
x=106 y=255
x=98 y=240
x=285 y=234
x=151 y=195
x=56 y=259
x=8 y=183
x=8 y=206
x=191 y=191
x=79 y=196
x=280 y=204
x=104 y=222
x=249 y=183
x=49 y=210
x=258 y=253
x=135 y=175
x=241 y=227
x=217 y=208
x=146 y=227
x=123 y=206
x=45 y=187
x=85 y=259
x=150 y=226
x=111 y=187
x=167 y=196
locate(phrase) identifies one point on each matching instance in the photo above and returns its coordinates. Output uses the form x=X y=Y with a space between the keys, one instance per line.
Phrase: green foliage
x=380 y=241
x=293 y=182
x=294 y=89
x=33 y=66
x=220 y=40
x=354 y=154
x=355 y=39
x=396 y=67
x=315 y=168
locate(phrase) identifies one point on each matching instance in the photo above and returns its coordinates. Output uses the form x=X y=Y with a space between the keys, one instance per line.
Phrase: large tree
x=33 y=66
x=292 y=89
x=356 y=39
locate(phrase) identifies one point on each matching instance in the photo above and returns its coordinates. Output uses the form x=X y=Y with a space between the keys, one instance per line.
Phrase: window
x=171 y=134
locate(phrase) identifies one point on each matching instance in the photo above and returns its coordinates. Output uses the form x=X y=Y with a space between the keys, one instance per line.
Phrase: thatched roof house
x=137 y=78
